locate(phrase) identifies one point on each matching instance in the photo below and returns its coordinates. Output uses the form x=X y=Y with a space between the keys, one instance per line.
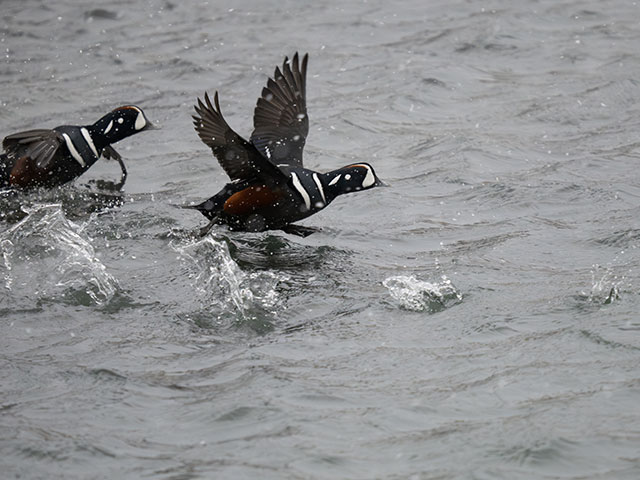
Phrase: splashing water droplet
x=419 y=296
x=222 y=286
x=45 y=250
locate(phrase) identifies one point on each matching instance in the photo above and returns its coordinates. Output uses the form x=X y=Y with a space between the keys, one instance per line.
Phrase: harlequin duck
x=48 y=158
x=270 y=189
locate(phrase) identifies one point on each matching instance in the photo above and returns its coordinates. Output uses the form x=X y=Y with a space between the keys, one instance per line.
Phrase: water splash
x=51 y=257
x=605 y=285
x=6 y=246
x=420 y=296
x=222 y=286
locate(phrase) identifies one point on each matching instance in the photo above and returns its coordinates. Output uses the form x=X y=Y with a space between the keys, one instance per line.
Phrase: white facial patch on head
x=369 y=179
x=140 y=121
x=121 y=120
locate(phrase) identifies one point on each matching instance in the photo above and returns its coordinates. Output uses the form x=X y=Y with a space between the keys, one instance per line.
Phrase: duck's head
x=353 y=178
x=123 y=122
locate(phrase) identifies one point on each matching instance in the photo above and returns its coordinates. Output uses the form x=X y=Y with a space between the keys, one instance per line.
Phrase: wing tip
x=206 y=105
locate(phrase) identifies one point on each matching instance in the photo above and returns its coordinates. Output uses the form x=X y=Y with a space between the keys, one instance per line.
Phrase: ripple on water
x=49 y=257
x=421 y=296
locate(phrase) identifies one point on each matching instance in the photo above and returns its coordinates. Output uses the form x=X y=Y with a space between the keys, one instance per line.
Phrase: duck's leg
x=109 y=153
x=123 y=176
x=207 y=228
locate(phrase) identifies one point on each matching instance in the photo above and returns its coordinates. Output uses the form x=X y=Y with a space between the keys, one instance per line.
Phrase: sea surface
x=477 y=320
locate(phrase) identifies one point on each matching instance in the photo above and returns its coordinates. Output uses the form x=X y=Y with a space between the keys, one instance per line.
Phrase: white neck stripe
x=335 y=179
x=319 y=184
x=73 y=151
x=108 y=129
x=89 y=140
x=301 y=190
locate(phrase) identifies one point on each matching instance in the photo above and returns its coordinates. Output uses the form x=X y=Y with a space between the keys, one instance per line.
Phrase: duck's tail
x=206 y=208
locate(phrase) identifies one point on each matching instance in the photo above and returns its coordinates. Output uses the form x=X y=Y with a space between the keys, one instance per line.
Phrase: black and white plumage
x=48 y=158
x=270 y=188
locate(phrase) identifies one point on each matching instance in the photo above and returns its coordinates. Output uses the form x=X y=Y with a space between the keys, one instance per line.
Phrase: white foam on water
x=419 y=295
x=222 y=284
x=7 y=249
x=45 y=255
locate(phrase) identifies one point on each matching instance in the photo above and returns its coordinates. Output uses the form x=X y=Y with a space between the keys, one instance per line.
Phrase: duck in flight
x=270 y=189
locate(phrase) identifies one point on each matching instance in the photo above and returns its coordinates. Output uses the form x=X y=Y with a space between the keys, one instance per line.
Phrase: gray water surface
x=478 y=320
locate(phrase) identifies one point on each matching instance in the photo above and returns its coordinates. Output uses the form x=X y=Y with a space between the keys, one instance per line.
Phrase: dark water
x=479 y=320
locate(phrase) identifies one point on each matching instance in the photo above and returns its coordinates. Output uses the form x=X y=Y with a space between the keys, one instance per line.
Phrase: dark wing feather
x=280 y=118
x=236 y=156
x=39 y=145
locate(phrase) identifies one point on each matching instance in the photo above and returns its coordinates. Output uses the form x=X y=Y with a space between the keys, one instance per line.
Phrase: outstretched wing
x=39 y=145
x=280 y=119
x=237 y=157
